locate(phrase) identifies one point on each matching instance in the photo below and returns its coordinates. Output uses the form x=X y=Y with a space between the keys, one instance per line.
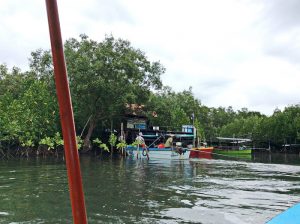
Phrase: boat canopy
x=174 y=135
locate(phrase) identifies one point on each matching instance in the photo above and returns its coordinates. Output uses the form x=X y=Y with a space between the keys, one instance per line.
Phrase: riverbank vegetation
x=104 y=77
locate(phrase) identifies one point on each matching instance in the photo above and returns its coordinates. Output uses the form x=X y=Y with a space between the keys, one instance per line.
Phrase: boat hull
x=233 y=152
x=290 y=216
x=243 y=154
x=157 y=153
x=201 y=152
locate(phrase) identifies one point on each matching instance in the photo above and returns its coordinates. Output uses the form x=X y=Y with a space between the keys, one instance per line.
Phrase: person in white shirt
x=140 y=140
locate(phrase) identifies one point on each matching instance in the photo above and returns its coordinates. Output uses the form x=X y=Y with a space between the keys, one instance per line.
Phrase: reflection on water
x=282 y=158
x=155 y=191
x=33 y=190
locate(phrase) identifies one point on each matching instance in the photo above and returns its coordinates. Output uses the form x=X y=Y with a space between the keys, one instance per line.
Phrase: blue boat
x=289 y=216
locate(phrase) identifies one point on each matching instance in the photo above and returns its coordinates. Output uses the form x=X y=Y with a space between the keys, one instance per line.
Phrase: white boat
x=158 y=153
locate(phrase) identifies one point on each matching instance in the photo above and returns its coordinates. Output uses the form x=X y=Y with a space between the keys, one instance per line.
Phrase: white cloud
x=240 y=53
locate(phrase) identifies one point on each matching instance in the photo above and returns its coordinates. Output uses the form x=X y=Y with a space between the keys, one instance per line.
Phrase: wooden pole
x=66 y=115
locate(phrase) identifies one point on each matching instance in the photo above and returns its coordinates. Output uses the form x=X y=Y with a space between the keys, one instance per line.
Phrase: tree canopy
x=103 y=77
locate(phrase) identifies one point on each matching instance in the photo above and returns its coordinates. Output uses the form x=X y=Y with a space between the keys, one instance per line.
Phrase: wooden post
x=122 y=137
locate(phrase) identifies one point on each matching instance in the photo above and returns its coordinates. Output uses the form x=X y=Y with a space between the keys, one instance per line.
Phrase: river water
x=216 y=191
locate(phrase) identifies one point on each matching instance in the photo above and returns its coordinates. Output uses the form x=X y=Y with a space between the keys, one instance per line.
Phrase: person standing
x=140 y=140
x=141 y=144
x=169 y=142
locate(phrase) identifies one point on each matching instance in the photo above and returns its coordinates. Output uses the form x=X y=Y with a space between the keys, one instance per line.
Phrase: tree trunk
x=87 y=140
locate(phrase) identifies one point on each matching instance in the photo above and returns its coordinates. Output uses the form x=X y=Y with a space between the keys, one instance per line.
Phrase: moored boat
x=157 y=153
x=201 y=152
x=232 y=151
x=233 y=147
x=161 y=145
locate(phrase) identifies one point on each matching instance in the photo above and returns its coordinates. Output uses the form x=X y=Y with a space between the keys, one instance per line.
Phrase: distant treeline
x=281 y=128
x=104 y=77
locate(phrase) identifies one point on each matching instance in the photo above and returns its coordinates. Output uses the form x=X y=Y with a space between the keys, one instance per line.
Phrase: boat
x=201 y=152
x=236 y=152
x=176 y=148
x=157 y=152
x=289 y=216
x=233 y=147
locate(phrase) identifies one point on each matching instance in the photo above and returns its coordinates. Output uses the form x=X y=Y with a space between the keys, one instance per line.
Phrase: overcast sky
x=240 y=53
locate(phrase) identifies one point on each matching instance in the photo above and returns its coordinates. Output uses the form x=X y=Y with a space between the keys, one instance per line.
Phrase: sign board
x=136 y=123
x=188 y=128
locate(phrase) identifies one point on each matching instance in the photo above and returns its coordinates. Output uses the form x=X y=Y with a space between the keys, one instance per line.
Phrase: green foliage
x=27 y=143
x=40 y=65
x=49 y=142
x=54 y=142
x=173 y=109
x=135 y=143
x=243 y=127
x=79 y=142
x=100 y=144
x=28 y=110
x=122 y=144
x=58 y=139
x=98 y=73
x=111 y=69
x=112 y=139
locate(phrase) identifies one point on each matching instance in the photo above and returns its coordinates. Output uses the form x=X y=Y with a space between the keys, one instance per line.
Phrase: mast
x=66 y=115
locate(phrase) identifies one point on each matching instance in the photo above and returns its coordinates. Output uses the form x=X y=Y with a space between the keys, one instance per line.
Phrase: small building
x=135 y=120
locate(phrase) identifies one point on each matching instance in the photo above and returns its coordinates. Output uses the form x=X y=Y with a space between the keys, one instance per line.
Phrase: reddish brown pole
x=66 y=115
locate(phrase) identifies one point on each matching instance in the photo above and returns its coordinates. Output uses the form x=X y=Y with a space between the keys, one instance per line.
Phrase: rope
x=85 y=126
x=156 y=140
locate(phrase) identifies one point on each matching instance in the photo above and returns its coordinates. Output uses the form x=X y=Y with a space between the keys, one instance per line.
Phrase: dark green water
x=204 y=191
